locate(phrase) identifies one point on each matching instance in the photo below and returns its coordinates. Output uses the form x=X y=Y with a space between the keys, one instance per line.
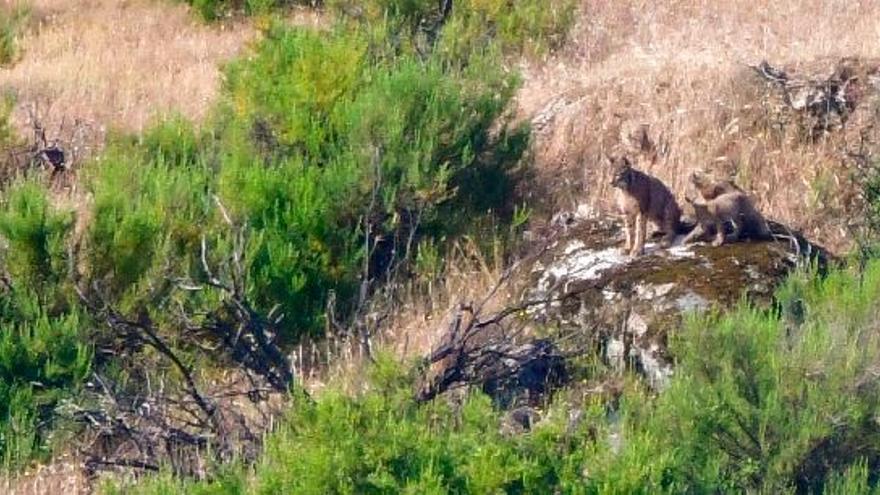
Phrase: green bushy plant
x=774 y=401
x=330 y=154
x=147 y=217
x=43 y=359
x=43 y=356
x=518 y=26
x=766 y=402
x=320 y=138
x=384 y=442
x=36 y=235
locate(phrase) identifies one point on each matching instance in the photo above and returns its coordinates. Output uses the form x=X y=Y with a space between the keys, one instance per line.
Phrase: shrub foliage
x=775 y=401
x=329 y=156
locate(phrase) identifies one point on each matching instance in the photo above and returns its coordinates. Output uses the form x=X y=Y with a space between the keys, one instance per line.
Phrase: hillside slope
x=679 y=70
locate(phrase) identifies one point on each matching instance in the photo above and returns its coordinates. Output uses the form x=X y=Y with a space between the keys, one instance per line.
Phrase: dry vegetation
x=680 y=68
x=422 y=311
x=118 y=63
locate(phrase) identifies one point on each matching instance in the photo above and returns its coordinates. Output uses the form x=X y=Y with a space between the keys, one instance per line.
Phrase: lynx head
x=699 y=178
x=622 y=172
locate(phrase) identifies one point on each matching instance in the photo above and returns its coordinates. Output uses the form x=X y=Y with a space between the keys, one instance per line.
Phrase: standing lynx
x=641 y=197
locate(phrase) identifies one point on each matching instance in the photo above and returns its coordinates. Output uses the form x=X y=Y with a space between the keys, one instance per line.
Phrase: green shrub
x=42 y=359
x=147 y=218
x=762 y=402
x=173 y=141
x=42 y=352
x=383 y=442
x=329 y=155
x=318 y=134
x=766 y=402
x=522 y=26
x=36 y=253
x=515 y=26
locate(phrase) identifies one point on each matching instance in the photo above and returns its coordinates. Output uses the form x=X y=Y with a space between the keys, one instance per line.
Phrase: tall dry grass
x=679 y=68
x=415 y=317
x=118 y=64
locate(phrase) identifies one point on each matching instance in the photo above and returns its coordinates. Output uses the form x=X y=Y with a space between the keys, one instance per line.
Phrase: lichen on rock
x=625 y=307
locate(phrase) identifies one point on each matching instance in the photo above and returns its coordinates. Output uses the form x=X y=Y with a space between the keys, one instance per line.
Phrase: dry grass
x=119 y=63
x=61 y=476
x=679 y=68
x=421 y=316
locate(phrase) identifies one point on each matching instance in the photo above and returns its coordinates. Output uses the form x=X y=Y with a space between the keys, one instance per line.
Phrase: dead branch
x=139 y=425
x=483 y=349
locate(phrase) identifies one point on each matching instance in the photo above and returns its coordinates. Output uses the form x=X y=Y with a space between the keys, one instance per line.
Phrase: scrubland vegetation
x=763 y=402
x=330 y=158
x=335 y=165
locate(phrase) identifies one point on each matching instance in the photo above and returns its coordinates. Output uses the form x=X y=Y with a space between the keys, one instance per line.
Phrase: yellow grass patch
x=118 y=63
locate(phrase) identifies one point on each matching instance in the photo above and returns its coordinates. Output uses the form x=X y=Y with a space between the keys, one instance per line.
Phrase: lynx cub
x=734 y=207
x=710 y=189
x=641 y=197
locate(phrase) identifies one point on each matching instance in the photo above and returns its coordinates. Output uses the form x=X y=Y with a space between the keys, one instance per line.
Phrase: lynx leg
x=670 y=225
x=669 y=236
x=764 y=231
x=641 y=227
x=628 y=224
x=719 y=234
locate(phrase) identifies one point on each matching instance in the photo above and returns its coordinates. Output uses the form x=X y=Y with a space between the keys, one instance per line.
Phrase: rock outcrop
x=585 y=286
x=581 y=294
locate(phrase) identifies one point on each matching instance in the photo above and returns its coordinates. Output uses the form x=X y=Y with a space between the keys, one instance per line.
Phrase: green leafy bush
x=42 y=359
x=762 y=402
x=383 y=442
x=329 y=155
x=43 y=356
x=517 y=26
x=324 y=144
x=147 y=213
x=36 y=254
x=766 y=402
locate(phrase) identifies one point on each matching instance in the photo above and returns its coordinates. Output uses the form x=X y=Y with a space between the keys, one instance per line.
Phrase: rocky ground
x=579 y=295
